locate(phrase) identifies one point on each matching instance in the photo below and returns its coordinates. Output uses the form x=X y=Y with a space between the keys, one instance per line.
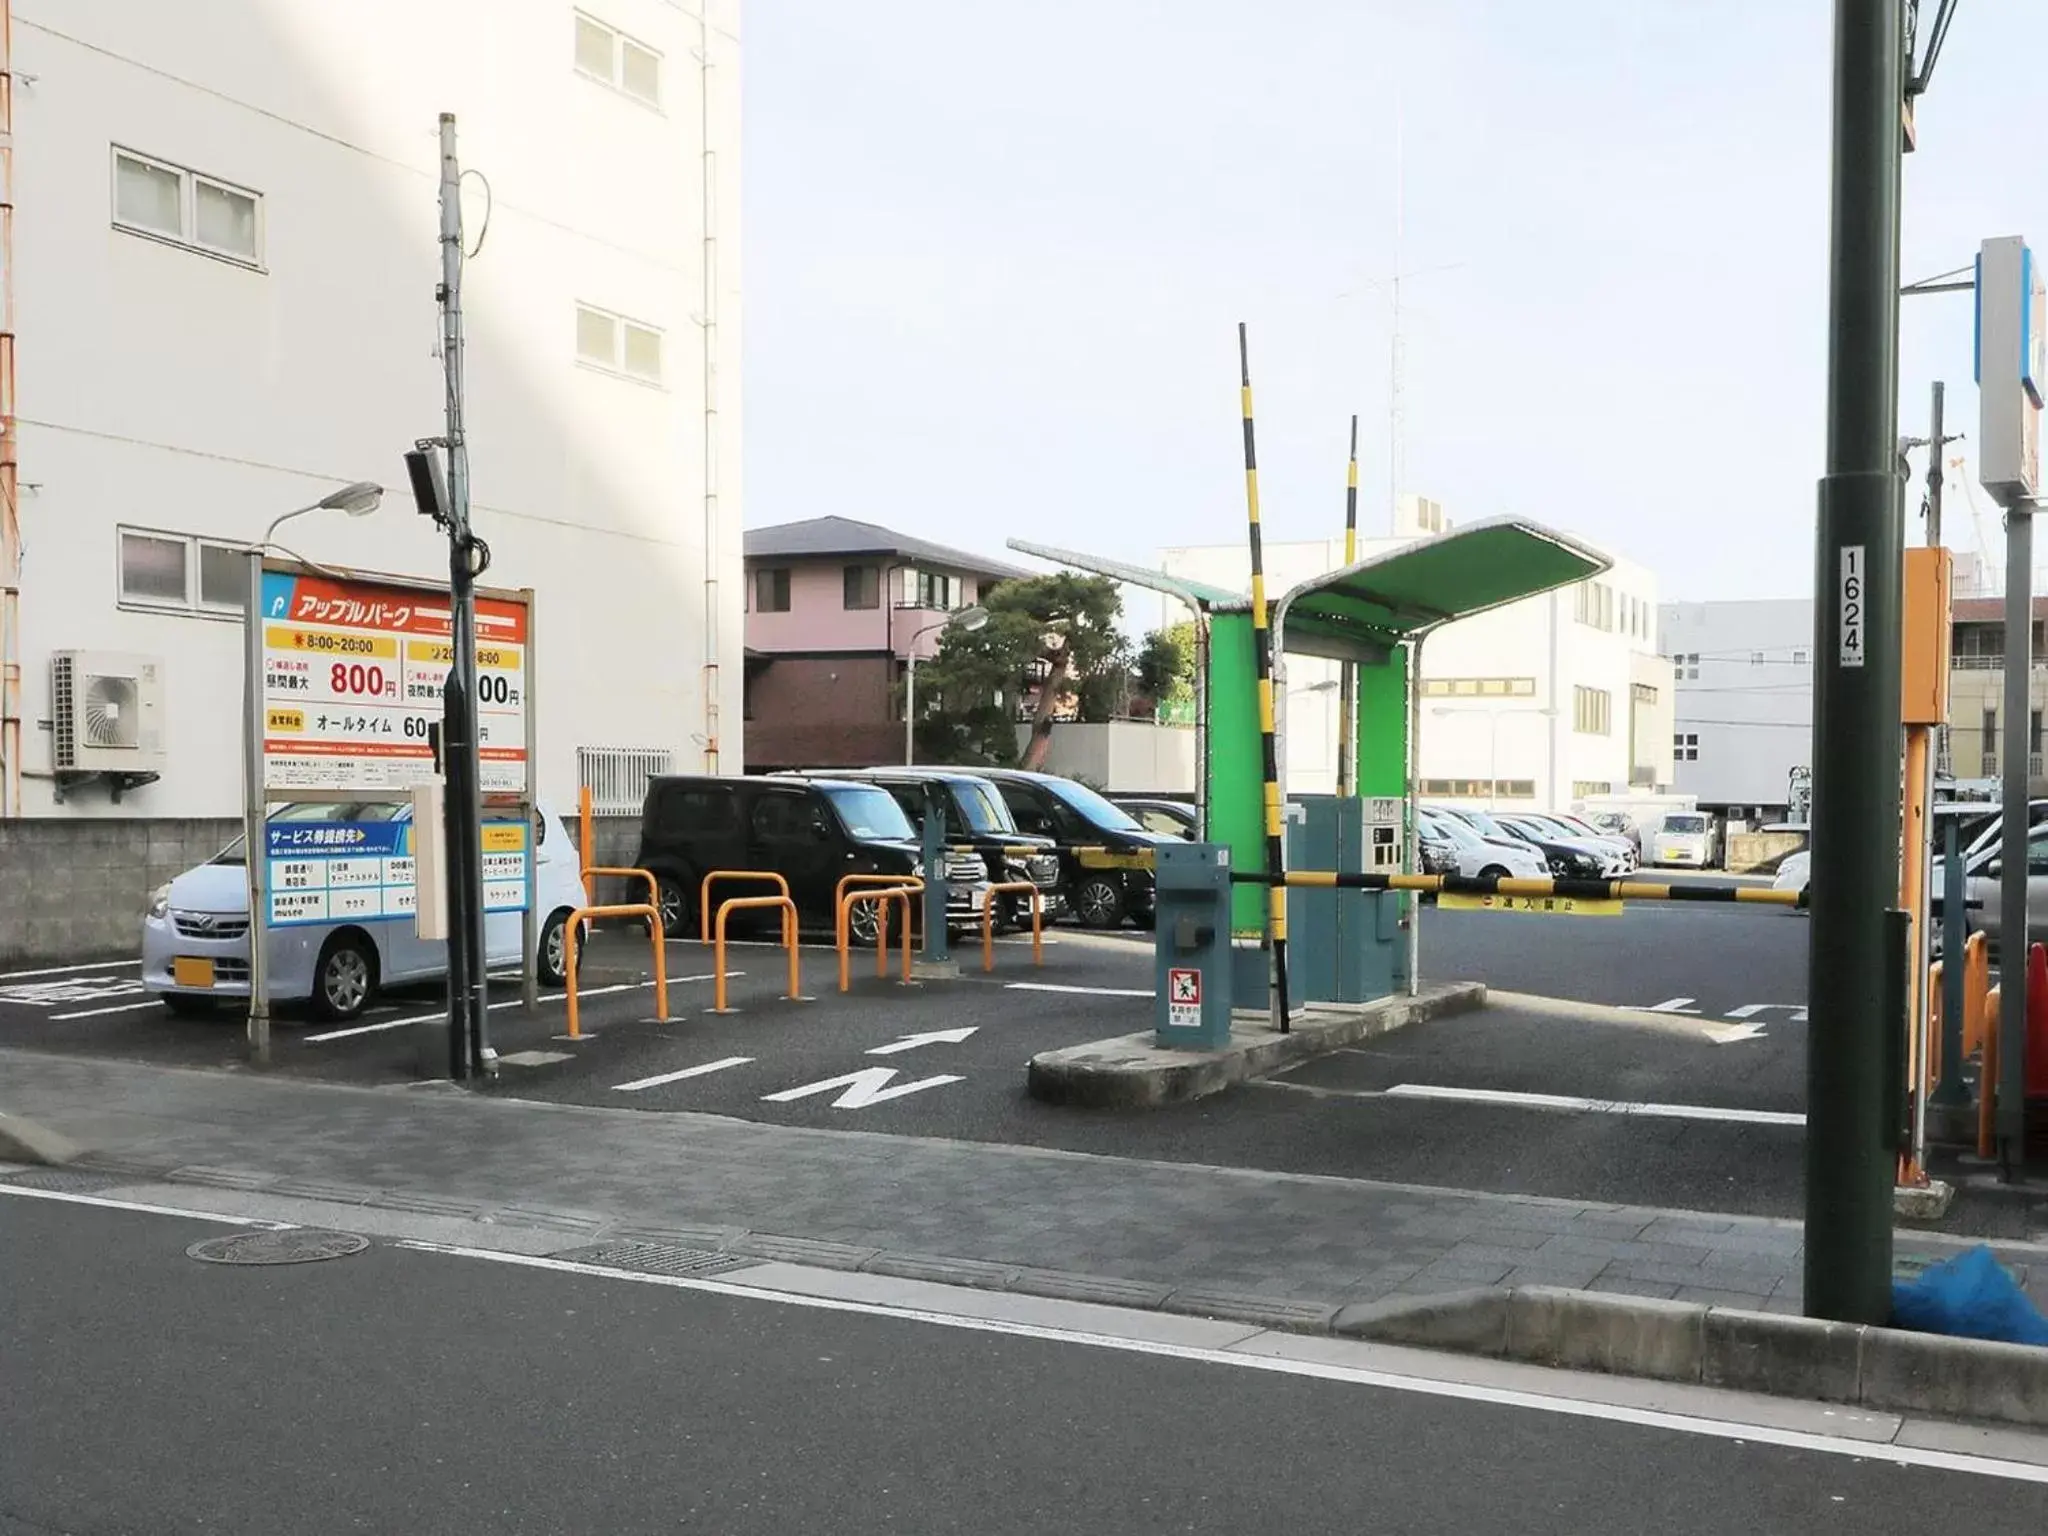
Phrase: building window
x=606 y=54
x=1584 y=788
x=1685 y=748
x=1756 y=658
x=1479 y=687
x=618 y=345
x=168 y=202
x=1990 y=733
x=931 y=589
x=1685 y=666
x=2034 y=735
x=863 y=586
x=1642 y=693
x=1478 y=789
x=1801 y=656
x=1592 y=711
x=182 y=572
x=771 y=589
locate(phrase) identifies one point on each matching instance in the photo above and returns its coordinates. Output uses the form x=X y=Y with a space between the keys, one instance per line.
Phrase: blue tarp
x=1970 y=1296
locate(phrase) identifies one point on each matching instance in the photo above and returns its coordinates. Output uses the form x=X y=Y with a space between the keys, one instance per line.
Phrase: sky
x=994 y=258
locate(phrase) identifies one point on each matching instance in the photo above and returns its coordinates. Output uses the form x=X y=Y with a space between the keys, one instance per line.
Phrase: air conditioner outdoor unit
x=106 y=712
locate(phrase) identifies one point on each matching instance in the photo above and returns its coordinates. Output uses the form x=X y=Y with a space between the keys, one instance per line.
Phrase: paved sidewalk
x=1107 y=1229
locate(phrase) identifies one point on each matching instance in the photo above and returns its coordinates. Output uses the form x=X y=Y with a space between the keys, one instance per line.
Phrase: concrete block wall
x=76 y=890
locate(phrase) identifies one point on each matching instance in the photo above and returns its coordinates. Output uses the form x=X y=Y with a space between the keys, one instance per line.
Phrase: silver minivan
x=195 y=935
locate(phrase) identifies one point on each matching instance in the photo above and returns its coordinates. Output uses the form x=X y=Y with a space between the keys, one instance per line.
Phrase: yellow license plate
x=188 y=972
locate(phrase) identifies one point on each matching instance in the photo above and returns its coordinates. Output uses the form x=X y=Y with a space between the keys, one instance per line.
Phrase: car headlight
x=160 y=903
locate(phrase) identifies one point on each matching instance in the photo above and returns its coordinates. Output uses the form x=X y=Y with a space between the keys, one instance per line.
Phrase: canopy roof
x=1360 y=611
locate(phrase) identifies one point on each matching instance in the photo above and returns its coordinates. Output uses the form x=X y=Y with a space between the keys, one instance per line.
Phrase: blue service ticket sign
x=362 y=871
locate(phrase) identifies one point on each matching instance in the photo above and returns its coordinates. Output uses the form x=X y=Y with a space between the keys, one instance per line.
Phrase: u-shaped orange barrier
x=653 y=915
x=704 y=897
x=988 y=921
x=734 y=904
x=852 y=894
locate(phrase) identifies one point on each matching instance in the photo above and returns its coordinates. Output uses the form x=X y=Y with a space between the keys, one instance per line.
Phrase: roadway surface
x=1700 y=1016
x=405 y=1390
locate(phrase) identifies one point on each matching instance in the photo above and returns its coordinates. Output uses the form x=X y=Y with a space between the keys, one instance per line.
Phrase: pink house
x=833 y=608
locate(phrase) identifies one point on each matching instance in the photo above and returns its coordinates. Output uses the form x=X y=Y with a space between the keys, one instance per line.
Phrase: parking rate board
x=353 y=672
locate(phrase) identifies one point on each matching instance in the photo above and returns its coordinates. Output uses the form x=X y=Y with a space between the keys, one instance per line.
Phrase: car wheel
x=673 y=902
x=551 y=964
x=345 y=977
x=189 y=1007
x=864 y=921
x=1099 y=902
x=1493 y=872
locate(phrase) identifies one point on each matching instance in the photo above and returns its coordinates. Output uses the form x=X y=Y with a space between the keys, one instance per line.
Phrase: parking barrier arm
x=631 y=909
x=704 y=894
x=1581 y=888
x=988 y=921
x=734 y=904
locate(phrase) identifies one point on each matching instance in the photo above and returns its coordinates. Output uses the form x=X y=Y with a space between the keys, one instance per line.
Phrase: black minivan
x=1076 y=818
x=978 y=817
x=809 y=830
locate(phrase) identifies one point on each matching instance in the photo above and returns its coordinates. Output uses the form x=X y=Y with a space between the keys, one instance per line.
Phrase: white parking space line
x=1515 y=1100
x=1053 y=986
x=510 y=1002
x=100 y=1013
x=66 y=970
x=675 y=1077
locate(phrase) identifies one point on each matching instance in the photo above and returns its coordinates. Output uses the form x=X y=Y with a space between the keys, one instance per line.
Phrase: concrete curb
x=25 y=1141
x=1131 y=1072
x=1743 y=1351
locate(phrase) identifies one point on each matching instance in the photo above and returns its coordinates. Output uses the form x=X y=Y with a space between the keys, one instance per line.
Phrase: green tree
x=1164 y=671
x=1056 y=633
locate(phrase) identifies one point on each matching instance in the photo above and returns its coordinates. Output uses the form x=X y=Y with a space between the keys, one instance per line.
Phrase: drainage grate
x=656 y=1258
x=294 y=1245
x=79 y=1181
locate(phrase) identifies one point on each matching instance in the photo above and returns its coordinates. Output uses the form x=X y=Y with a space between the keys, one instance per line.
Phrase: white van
x=195 y=936
x=1686 y=839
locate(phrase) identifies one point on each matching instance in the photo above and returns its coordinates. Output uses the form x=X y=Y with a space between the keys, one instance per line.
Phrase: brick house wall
x=823 y=712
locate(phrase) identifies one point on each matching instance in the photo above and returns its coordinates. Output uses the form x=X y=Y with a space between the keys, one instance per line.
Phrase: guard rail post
x=630 y=909
x=704 y=893
x=789 y=938
x=988 y=920
x=853 y=892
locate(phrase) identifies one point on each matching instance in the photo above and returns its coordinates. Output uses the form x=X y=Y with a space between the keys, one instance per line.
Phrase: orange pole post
x=1934 y=1021
x=988 y=926
x=704 y=893
x=575 y=924
x=584 y=835
x=569 y=978
x=1987 y=1085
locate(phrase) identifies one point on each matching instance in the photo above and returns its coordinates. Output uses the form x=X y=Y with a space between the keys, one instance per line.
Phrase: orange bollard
x=1987 y=1084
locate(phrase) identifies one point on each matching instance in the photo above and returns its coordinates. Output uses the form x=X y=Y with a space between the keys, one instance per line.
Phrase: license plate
x=187 y=972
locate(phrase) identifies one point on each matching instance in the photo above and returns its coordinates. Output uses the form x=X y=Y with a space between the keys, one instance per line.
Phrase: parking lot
x=1671 y=1073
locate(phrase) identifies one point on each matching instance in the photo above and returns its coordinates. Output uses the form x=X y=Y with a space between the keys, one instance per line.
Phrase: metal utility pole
x=467 y=982
x=1851 y=1131
x=2016 y=711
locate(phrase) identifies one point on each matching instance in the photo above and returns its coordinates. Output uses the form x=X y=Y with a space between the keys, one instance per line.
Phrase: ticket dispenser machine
x=1343 y=944
x=1191 y=947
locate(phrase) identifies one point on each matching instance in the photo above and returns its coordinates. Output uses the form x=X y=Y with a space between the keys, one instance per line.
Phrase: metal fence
x=617 y=776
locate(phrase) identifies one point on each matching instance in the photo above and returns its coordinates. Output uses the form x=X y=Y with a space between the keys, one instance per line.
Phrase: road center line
x=1515 y=1100
x=676 y=1077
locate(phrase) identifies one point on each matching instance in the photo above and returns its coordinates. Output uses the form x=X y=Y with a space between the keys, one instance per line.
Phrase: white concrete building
x=223 y=277
x=1542 y=703
x=1744 y=677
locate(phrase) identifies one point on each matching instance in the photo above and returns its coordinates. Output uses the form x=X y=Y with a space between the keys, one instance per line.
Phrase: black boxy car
x=1075 y=817
x=811 y=831
x=977 y=816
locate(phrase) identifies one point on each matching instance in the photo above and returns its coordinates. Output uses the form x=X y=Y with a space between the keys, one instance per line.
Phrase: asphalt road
x=400 y=1390
x=947 y=1059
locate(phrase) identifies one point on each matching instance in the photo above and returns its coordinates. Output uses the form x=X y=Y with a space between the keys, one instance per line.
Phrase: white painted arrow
x=1673 y=1005
x=863 y=1088
x=1751 y=1010
x=1728 y=1034
x=931 y=1037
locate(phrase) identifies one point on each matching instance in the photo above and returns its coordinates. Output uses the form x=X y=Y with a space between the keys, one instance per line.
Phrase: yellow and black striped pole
x=1269 y=753
x=1347 y=681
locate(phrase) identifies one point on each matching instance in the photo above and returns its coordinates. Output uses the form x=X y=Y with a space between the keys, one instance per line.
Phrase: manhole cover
x=295 y=1245
x=657 y=1258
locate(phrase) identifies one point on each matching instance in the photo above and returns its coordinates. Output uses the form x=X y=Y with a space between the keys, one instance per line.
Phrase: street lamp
x=1493 y=719
x=356 y=500
x=968 y=619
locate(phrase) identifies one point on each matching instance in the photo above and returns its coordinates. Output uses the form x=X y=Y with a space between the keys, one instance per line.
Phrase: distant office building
x=1743 y=726
x=1556 y=699
x=1976 y=702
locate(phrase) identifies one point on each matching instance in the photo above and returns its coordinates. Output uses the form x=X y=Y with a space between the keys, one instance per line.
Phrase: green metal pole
x=1851 y=1129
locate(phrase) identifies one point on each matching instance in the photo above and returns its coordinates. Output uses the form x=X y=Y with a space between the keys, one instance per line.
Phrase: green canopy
x=1198 y=596
x=1360 y=612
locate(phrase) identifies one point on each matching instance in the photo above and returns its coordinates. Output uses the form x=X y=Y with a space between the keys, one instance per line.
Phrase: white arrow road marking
x=1598 y=1106
x=675 y=1077
x=933 y=1037
x=1728 y=1034
x=1673 y=1005
x=862 y=1088
x=1751 y=1010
